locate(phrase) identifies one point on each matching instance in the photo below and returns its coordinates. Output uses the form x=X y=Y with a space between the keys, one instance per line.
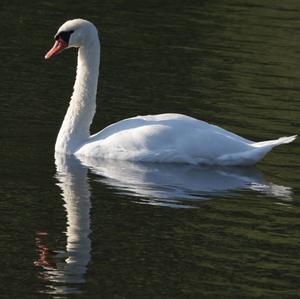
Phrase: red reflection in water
x=45 y=255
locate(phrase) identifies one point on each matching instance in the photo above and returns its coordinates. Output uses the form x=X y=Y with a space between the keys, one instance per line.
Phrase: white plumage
x=153 y=138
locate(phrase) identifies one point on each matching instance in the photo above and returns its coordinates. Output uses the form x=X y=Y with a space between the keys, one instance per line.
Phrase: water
x=133 y=230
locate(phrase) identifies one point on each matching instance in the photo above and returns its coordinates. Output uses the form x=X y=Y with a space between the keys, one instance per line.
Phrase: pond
x=112 y=229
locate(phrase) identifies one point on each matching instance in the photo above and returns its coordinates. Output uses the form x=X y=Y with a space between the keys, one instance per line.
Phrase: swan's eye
x=65 y=35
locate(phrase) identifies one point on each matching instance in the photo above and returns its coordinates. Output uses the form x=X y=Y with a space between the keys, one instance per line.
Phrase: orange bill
x=59 y=45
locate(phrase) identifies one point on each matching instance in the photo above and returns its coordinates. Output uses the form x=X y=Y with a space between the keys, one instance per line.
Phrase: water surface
x=87 y=228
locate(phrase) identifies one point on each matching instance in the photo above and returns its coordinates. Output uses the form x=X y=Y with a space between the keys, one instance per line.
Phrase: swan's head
x=74 y=33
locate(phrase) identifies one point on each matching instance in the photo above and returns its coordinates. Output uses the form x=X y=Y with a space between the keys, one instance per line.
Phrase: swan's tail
x=272 y=143
x=251 y=157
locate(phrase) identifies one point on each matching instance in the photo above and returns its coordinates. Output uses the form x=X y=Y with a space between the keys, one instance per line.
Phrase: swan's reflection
x=173 y=185
x=64 y=271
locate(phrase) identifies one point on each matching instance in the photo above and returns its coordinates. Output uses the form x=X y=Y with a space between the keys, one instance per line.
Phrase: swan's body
x=158 y=138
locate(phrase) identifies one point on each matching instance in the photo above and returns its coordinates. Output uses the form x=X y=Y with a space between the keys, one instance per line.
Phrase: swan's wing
x=164 y=138
x=174 y=120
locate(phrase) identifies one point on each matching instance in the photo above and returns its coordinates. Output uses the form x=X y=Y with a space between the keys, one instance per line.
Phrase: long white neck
x=75 y=129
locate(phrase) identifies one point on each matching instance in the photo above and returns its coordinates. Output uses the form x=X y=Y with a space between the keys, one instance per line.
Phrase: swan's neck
x=75 y=129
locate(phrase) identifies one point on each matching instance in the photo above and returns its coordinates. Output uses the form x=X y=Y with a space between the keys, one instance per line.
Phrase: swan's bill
x=59 y=45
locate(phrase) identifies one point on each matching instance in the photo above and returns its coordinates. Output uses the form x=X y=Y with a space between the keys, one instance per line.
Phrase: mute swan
x=155 y=138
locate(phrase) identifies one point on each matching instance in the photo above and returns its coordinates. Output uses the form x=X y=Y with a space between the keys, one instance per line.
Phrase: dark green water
x=151 y=231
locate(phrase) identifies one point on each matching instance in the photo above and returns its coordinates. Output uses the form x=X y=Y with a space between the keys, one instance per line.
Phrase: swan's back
x=164 y=138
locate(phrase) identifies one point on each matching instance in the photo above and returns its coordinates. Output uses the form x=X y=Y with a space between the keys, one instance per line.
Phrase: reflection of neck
x=72 y=179
x=76 y=125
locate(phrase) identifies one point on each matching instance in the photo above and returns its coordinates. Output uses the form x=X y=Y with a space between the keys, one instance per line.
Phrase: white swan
x=156 y=138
